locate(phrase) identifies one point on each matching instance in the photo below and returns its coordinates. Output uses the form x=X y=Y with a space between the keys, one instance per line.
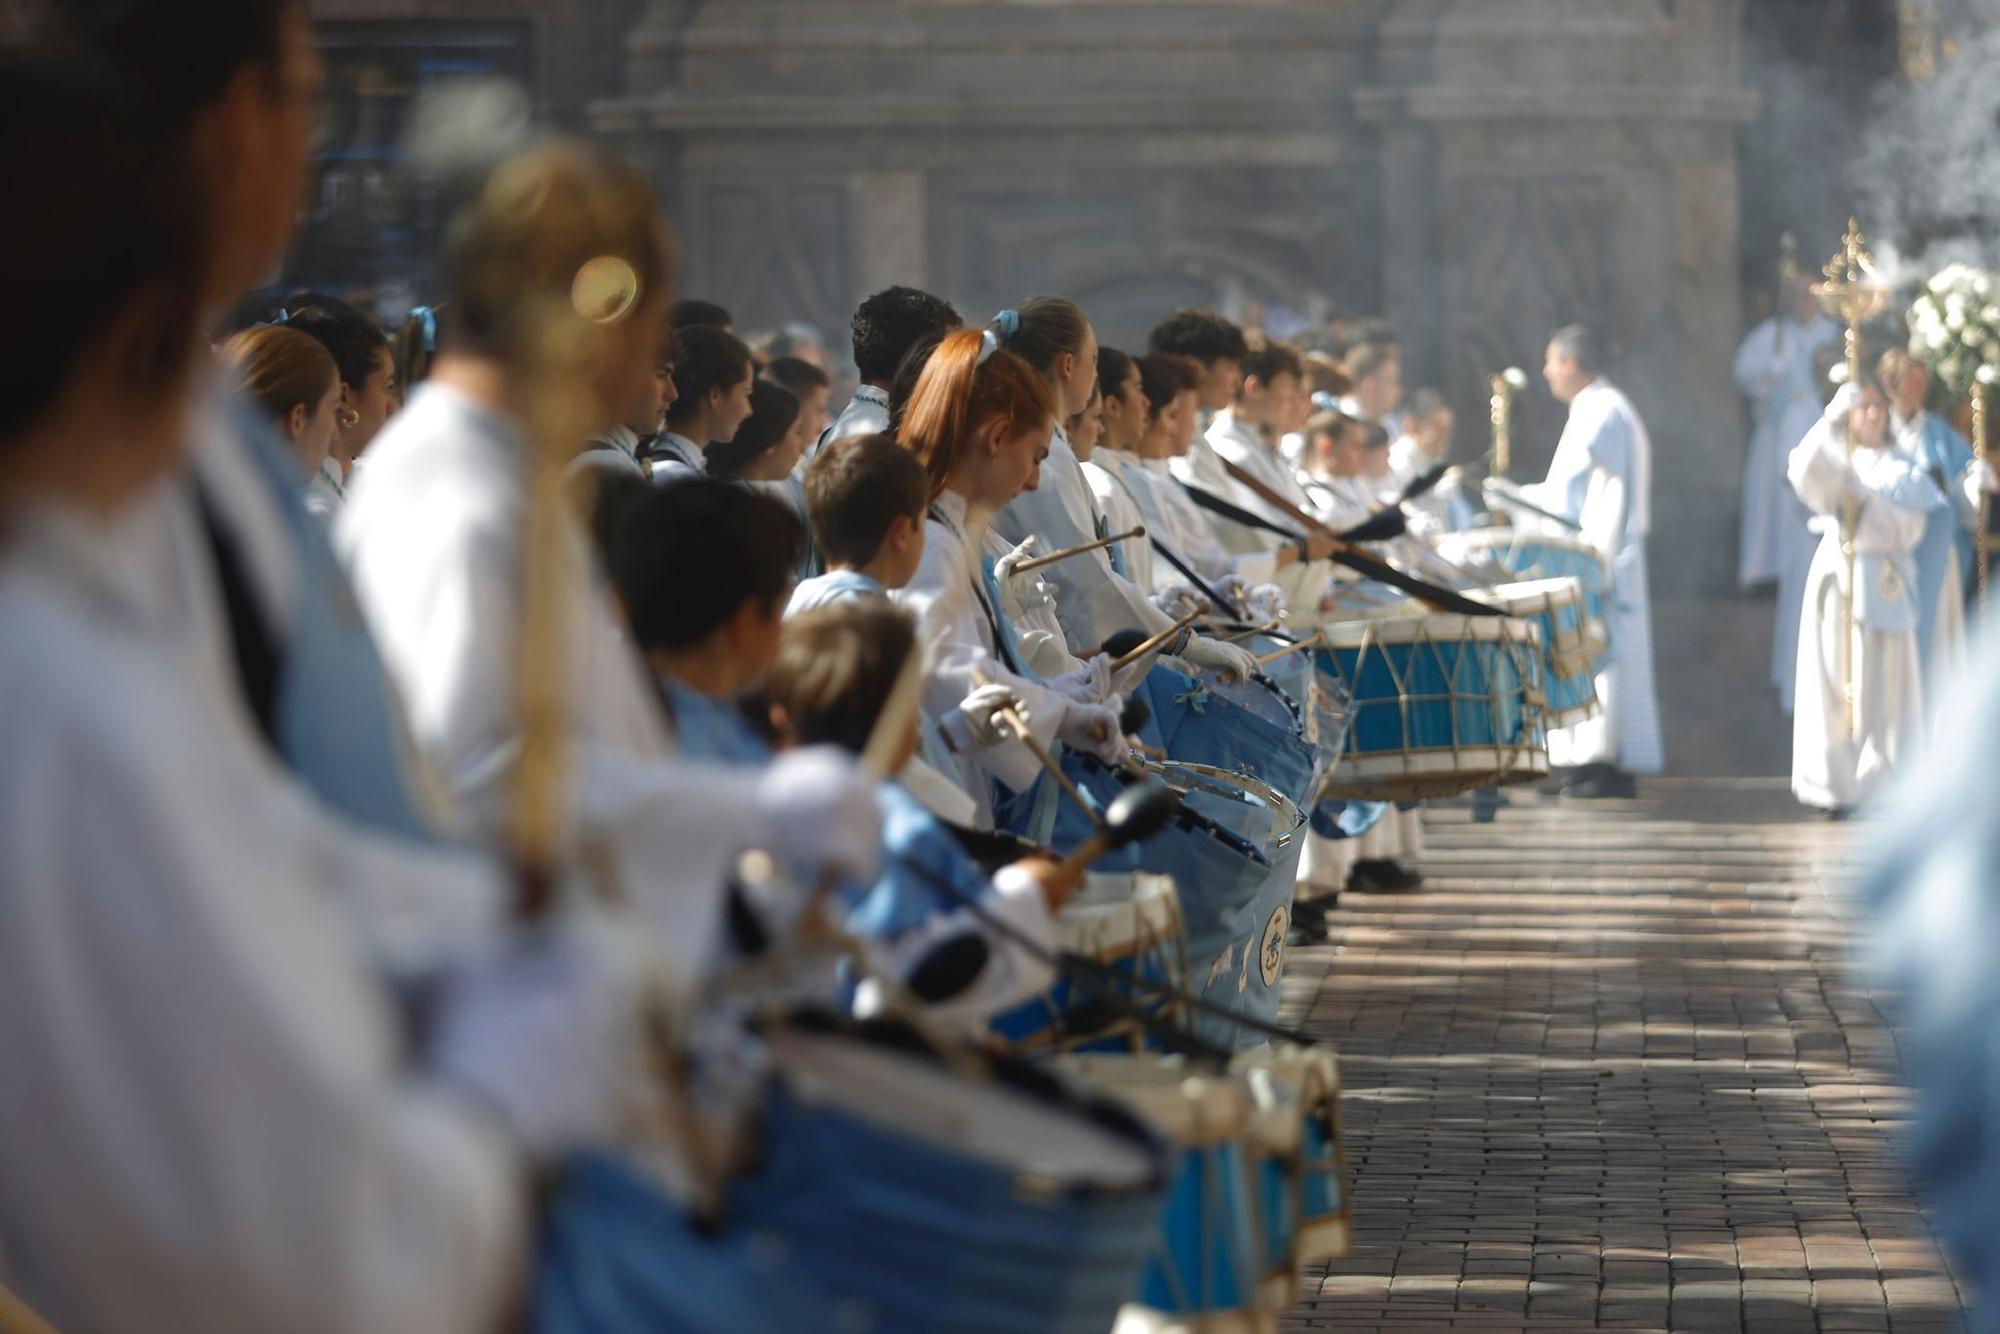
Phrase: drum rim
x=1188 y=820
x=1505 y=629
x=1017 y=1075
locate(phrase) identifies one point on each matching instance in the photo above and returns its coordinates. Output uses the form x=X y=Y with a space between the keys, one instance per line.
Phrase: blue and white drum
x=1275 y=1141
x=1311 y=1075
x=1130 y=923
x=1442 y=703
x=898 y=1190
x=1541 y=555
x=1206 y=1268
x=1569 y=660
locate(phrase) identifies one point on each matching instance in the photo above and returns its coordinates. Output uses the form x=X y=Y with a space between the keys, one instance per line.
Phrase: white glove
x=1177 y=600
x=820 y=809
x=1234 y=589
x=1003 y=569
x=1045 y=654
x=1088 y=684
x=981 y=710
x=1980 y=479
x=544 y=1034
x=1218 y=656
x=1265 y=603
x=1094 y=730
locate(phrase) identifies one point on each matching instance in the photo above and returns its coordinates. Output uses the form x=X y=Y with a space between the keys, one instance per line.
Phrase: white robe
x=432 y=535
x=1774 y=369
x=948 y=597
x=1834 y=764
x=1795 y=543
x=207 y=1121
x=1601 y=477
x=1106 y=472
x=325 y=490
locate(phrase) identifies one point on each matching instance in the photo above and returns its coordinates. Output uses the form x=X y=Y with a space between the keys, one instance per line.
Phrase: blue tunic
x=833 y=586
x=1943 y=454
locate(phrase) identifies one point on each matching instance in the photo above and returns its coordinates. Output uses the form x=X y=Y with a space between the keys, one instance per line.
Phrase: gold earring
x=346 y=419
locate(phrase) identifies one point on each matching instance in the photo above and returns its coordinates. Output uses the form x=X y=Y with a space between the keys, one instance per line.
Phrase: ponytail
x=1040 y=330
x=965 y=385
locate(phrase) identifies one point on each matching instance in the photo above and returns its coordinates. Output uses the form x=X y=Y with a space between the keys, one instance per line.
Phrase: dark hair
x=904 y=382
x=533 y=225
x=113 y=243
x=1112 y=368
x=1200 y=334
x=1581 y=344
x=1267 y=358
x=1045 y=328
x=1328 y=425
x=684 y=558
x=1424 y=403
x=417 y=342
x=167 y=67
x=774 y=410
x=1374 y=435
x=855 y=489
x=356 y=342
x=798 y=375
x=280 y=368
x=705 y=357
x=688 y=314
x=960 y=390
x=1365 y=359
x=836 y=667
x=1163 y=377
x=888 y=324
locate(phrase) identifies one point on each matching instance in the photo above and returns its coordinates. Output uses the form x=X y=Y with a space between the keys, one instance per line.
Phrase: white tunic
x=1105 y=470
x=1774 y=369
x=1833 y=764
x=866 y=414
x=206 y=1120
x=1602 y=478
x=432 y=534
x=325 y=491
x=1183 y=527
x=948 y=597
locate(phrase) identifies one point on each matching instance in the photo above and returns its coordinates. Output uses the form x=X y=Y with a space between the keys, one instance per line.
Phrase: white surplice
x=1774 y=369
x=1601 y=478
x=207 y=1120
x=432 y=533
x=1106 y=472
x=1838 y=762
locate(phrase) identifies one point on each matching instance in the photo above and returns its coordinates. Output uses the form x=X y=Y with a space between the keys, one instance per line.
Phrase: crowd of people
x=445 y=825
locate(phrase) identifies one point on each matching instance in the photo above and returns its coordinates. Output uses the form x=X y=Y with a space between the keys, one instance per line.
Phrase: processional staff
x=1854 y=294
x=1505 y=385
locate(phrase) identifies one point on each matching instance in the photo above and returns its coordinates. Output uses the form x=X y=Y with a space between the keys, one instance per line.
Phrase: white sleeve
x=1758 y=369
x=1818 y=471
x=1013 y=973
x=207 y=1118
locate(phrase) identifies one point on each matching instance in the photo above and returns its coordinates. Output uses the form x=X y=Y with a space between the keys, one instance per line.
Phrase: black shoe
x=1605 y=783
x=1382 y=875
x=1312 y=912
x=1836 y=814
x=1558 y=781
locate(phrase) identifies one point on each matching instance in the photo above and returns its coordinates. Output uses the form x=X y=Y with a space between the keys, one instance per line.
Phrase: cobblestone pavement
x=1611 y=1069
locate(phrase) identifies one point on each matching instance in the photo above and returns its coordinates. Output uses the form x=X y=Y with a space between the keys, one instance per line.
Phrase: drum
x=1312 y=1075
x=1539 y=555
x=893 y=1188
x=1193 y=723
x=1130 y=922
x=1205 y=1269
x=1274 y=1138
x=1443 y=703
x=1569 y=661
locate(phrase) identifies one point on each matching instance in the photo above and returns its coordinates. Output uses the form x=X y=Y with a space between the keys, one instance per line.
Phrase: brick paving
x=1611 y=1069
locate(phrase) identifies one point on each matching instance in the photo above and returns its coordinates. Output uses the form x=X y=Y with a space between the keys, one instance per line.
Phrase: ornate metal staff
x=1854 y=294
x=1505 y=385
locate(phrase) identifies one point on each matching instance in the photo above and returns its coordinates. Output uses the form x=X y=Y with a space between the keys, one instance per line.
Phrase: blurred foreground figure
x=1934 y=897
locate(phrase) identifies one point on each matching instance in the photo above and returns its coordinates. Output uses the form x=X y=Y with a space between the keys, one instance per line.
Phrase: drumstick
x=1310 y=641
x=892 y=725
x=1252 y=633
x=1440 y=599
x=1014 y=720
x=1056 y=556
x=1153 y=644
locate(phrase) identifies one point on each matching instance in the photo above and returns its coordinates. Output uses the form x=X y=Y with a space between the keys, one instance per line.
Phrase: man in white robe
x=1601 y=479
x=1774 y=369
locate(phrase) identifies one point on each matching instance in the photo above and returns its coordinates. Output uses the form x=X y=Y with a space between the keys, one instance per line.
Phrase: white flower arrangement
x=1955 y=326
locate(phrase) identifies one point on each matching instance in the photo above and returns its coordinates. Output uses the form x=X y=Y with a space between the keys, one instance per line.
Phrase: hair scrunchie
x=1005 y=325
x=428 y=320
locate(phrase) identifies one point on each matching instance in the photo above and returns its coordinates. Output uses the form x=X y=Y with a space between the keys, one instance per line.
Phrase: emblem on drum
x=1271 y=959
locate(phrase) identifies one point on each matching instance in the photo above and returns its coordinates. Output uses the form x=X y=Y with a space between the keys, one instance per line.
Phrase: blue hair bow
x=282 y=317
x=1005 y=325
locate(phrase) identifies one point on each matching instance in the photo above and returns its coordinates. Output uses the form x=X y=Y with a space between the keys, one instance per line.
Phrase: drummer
x=867 y=498
x=973 y=947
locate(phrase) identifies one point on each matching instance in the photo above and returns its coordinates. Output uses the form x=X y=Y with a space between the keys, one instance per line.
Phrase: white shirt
x=326 y=490
x=431 y=533
x=615 y=452
x=678 y=457
x=866 y=414
x=1601 y=475
x=205 y=1120
x=1105 y=472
